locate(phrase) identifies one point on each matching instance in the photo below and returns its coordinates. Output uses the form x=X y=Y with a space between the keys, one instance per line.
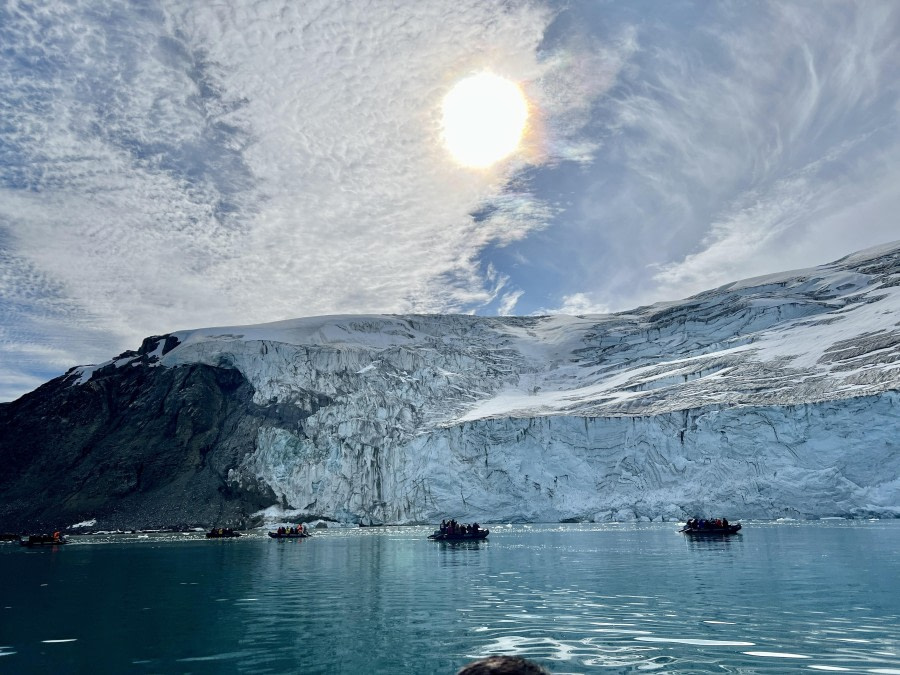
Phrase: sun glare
x=484 y=118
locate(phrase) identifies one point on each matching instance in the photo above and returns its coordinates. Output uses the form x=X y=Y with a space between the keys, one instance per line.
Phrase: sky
x=167 y=165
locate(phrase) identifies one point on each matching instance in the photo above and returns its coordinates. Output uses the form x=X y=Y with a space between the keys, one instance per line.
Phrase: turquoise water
x=780 y=597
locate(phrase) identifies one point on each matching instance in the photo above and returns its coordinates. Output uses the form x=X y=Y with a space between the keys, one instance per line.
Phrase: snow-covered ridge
x=585 y=417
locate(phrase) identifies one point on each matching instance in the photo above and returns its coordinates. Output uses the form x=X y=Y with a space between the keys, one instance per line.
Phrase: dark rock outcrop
x=138 y=446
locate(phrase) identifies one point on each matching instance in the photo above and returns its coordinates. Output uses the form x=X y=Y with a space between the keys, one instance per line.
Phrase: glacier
x=770 y=397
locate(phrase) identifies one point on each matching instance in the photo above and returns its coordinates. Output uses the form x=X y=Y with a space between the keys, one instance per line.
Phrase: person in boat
x=56 y=536
x=707 y=524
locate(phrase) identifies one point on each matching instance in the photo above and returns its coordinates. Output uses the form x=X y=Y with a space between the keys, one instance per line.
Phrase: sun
x=484 y=119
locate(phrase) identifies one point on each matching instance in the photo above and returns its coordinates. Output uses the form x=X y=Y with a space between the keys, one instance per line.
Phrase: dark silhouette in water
x=709 y=526
x=43 y=540
x=450 y=530
x=222 y=533
x=503 y=665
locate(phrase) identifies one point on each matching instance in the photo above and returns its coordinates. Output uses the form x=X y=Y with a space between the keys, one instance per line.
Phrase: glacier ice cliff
x=769 y=397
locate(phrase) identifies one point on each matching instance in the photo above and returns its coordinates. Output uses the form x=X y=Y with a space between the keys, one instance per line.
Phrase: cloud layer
x=738 y=139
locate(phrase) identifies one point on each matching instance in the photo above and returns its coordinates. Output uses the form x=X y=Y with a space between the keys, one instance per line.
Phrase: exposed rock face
x=136 y=447
x=770 y=397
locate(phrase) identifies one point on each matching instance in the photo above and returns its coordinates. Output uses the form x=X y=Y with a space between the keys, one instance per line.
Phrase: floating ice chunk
x=84 y=523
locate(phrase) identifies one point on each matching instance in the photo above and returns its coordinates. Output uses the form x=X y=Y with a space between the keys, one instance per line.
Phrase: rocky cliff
x=776 y=396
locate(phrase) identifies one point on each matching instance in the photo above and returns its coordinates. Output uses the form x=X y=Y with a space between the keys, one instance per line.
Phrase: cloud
x=825 y=162
x=508 y=302
x=810 y=215
x=755 y=141
x=577 y=304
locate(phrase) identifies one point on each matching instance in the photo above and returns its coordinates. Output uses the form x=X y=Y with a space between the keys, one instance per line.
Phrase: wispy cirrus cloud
x=737 y=140
x=576 y=305
x=814 y=101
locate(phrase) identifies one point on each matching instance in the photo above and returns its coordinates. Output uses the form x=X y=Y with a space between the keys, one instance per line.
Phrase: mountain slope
x=767 y=397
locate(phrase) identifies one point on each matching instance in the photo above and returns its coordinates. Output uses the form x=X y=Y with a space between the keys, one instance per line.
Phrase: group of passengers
x=222 y=532
x=707 y=524
x=453 y=528
x=55 y=538
x=299 y=530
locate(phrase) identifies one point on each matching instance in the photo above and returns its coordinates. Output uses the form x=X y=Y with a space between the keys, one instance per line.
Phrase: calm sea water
x=781 y=597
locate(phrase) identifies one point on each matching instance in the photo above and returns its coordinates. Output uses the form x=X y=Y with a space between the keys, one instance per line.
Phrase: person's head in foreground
x=503 y=665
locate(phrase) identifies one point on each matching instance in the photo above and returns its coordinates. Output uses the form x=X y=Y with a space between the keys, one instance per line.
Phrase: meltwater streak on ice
x=577 y=598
